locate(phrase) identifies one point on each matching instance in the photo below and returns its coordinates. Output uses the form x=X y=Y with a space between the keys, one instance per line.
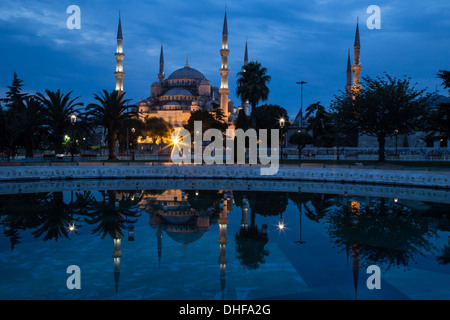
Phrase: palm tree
x=252 y=85
x=33 y=125
x=58 y=107
x=109 y=114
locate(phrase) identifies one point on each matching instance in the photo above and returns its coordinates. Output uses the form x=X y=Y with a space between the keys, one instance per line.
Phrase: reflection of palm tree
x=106 y=215
x=250 y=246
x=20 y=213
x=320 y=202
x=109 y=213
x=54 y=217
x=250 y=242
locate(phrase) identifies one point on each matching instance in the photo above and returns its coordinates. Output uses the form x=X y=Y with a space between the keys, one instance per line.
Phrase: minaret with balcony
x=224 y=91
x=119 y=74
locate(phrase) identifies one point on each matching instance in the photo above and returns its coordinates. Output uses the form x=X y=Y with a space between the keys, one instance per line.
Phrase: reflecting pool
x=217 y=240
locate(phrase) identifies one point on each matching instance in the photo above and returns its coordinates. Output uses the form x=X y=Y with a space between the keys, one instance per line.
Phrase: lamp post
x=396 y=136
x=133 y=130
x=282 y=136
x=72 y=223
x=301 y=83
x=300 y=241
x=73 y=119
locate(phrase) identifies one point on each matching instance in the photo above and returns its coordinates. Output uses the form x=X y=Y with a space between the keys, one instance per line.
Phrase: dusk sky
x=294 y=40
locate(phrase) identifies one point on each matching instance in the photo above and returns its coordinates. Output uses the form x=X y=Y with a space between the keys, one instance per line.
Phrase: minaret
x=223 y=223
x=348 y=86
x=356 y=67
x=119 y=74
x=246 y=104
x=355 y=266
x=246 y=54
x=161 y=65
x=224 y=71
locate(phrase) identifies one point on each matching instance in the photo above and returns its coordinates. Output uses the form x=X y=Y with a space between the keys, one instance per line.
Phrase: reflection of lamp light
x=395 y=200
x=72 y=226
x=131 y=233
x=281 y=224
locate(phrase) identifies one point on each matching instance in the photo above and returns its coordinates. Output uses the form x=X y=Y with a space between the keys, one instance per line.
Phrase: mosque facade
x=184 y=91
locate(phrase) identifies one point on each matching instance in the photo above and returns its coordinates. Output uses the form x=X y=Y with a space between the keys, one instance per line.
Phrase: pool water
x=229 y=244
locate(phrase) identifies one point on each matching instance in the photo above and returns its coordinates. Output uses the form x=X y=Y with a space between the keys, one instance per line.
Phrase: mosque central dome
x=187 y=73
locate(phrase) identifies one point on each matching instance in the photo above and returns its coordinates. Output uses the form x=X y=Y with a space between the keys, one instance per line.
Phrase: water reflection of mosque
x=184 y=216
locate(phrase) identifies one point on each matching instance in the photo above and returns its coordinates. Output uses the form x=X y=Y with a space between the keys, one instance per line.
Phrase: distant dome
x=156 y=84
x=187 y=73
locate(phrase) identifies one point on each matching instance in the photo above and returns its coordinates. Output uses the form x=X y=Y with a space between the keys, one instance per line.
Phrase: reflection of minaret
x=246 y=104
x=159 y=235
x=244 y=220
x=117 y=254
x=223 y=222
x=119 y=74
x=161 y=65
x=355 y=266
x=356 y=67
x=224 y=71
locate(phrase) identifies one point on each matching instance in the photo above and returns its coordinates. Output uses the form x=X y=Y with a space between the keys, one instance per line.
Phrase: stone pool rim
x=316 y=173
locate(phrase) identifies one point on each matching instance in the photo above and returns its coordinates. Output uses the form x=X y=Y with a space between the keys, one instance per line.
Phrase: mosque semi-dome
x=187 y=73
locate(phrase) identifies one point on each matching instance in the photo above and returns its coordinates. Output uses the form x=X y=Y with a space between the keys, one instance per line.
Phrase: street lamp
x=282 y=136
x=396 y=136
x=73 y=119
x=301 y=83
x=133 y=130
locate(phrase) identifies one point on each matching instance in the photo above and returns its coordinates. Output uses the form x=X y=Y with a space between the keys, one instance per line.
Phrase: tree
x=300 y=139
x=439 y=118
x=268 y=117
x=384 y=107
x=252 y=85
x=242 y=121
x=13 y=115
x=58 y=109
x=208 y=120
x=109 y=113
x=321 y=124
x=156 y=128
x=445 y=76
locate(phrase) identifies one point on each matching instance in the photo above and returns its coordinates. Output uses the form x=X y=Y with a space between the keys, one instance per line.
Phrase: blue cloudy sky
x=295 y=40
